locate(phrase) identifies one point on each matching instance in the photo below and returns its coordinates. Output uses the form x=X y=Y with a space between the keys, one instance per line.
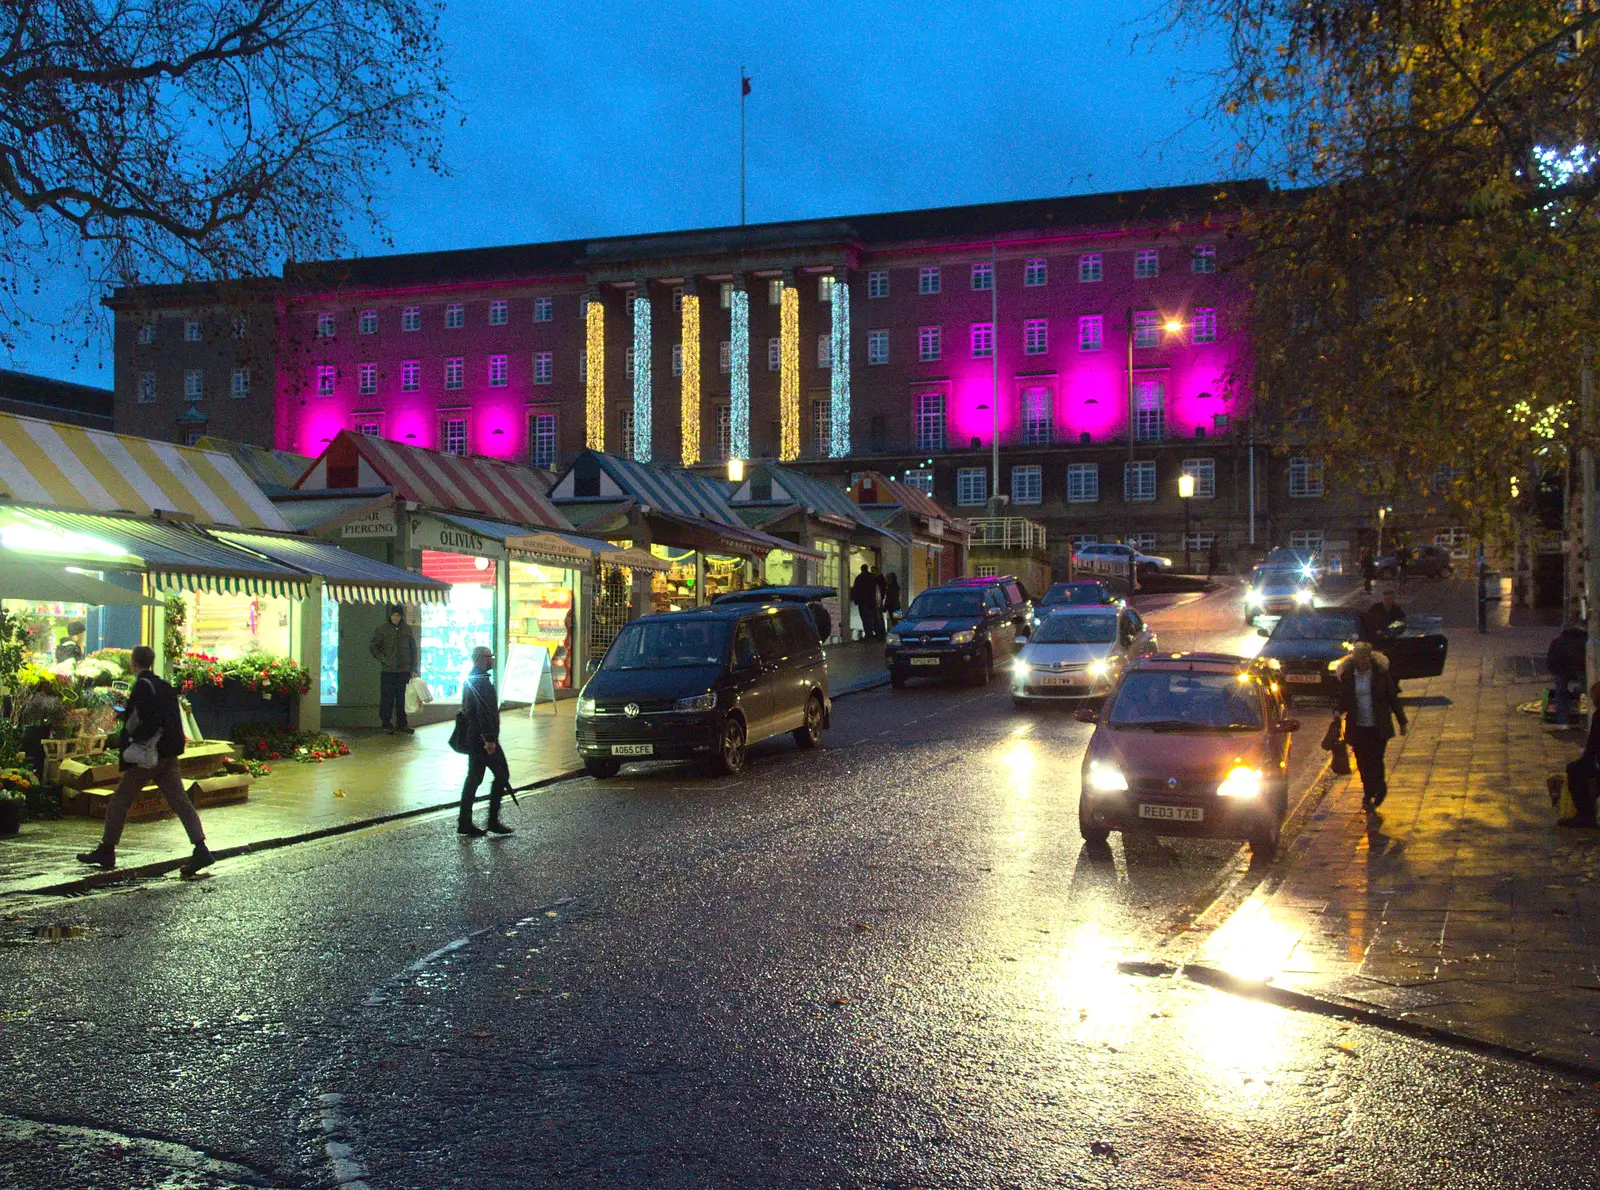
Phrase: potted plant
x=15 y=785
x=253 y=687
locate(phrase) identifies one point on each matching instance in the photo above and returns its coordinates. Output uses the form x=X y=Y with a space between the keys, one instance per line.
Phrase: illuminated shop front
x=451 y=630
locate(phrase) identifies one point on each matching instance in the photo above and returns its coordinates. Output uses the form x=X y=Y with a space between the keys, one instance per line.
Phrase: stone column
x=839 y=381
x=789 y=370
x=640 y=446
x=689 y=389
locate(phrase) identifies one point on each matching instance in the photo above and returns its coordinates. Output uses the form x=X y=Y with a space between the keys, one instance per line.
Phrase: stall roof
x=716 y=537
x=597 y=476
x=884 y=490
x=272 y=470
x=349 y=577
x=473 y=485
x=177 y=556
x=770 y=485
x=52 y=583
x=303 y=514
x=54 y=465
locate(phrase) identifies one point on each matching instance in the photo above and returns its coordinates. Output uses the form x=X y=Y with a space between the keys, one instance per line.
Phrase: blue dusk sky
x=614 y=118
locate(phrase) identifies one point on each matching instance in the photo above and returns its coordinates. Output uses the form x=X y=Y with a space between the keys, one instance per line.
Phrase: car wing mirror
x=1086 y=715
x=1288 y=725
x=1262 y=632
x=1022 y=639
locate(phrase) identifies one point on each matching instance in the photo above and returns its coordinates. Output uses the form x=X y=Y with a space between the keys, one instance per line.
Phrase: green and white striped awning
x=228 y=584
x=348 y=577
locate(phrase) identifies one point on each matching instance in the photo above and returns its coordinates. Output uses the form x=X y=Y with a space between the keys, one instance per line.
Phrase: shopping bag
x=417 y=695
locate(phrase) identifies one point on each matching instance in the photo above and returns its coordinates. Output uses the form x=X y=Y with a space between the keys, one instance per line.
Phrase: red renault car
x=1189 y=744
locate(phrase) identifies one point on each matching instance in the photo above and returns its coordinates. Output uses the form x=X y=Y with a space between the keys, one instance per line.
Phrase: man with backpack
x=152 y=741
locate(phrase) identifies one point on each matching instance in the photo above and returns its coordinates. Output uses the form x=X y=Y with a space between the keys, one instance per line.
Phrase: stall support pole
x=699 y=578
x=305 y=627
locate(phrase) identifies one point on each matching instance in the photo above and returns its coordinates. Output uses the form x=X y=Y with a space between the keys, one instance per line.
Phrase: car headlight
x=964 y=637
x=1106 y=778
x=1302 y=598
x=585 y=707
x=700 y=702
x=1253 y=597
x=1022 y=669
x=1241 y=781
x=892 y=639
x=1099 y=669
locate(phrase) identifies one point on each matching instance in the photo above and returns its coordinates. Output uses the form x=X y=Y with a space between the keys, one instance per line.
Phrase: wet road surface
x=888 y=963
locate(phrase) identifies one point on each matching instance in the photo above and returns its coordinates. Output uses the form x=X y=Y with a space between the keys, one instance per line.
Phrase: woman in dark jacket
x=480 y=706
x=1369 y=700
x=891 y=599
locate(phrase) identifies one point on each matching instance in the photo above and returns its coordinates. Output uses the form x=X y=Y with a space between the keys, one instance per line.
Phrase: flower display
x=16 y=783
x=274 y=741
x=258 y=673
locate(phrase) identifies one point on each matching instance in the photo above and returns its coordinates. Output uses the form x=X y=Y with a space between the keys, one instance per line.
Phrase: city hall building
x=1101 y=339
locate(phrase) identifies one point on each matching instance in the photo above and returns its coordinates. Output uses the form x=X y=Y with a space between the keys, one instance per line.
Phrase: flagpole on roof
x=744 y=89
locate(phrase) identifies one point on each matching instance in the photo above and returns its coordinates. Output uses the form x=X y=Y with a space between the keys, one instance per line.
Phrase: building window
x=544 y=367
x=1199 y=542
x=368 y=323
x=498 y=371
x=725 y=295
x=1035 y=272
x=1204 y=473
x=821 y=426
x=1090 y=265
x=241 y=326
x=986 y=570
x=147 y=388
x=775 y=291
x=194 y=388
x=1307 y=540
x=1203 y=258
x=983 y=276
x=191 y=330
x=324 y=326
x=455 y=316
x=1147 y=263
x=325 y=376
x=677 y=299
x=928 y=279
x=824 y=351
x=725 y=357
x=497 y=312
x=920 y=478
x=454 y=370
x=1221 y=423
x=626 y=423
x=677 y=359
x=1139 y=480
x=147 y=332
x=1091 y=329
x=774 y=354
x=367 y=378
x=930 y=421
x=1205 y=325
x=878 y=284
x=1150 y=411
x=972 y=486
x=825 y=288
x=724 y=432
x=877 y=347
x=927 y=343
x=982 y=340
x=1027 y=484
x=583 y=366
x=411 y=318
x=544 y=309
x=241 y=384
x=454 y=437
x=542 y=439
x=627 y=363
x=1035 y=336
x=1035 y=416
x=1305 y=478
x=410 y=375
x=369 y=429
x=1146 y=328
x=1083 y=483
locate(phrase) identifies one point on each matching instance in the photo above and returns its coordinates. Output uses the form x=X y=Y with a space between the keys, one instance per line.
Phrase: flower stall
x=253 y=687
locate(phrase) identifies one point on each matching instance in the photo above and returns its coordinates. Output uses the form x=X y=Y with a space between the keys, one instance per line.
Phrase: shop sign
x=430 y=534
x=379 y=522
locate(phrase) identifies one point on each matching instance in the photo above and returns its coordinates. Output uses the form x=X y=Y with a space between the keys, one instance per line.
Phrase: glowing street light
x=735 y=470
x=1186 y=493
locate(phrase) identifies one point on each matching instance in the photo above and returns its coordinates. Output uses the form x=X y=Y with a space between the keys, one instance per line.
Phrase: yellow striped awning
x=53 y=465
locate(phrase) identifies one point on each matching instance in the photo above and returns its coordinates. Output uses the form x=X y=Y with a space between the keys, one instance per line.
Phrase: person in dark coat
x=152 y=714
x=1213 y=557
x=394 y=647
x=1369 y=570
x=891 y=599
x=1583 y=774
x=1376 y=619
x=1369 y=700
x=1402 y=559
x=1568 y=663
x=481 y=706
x=864 y=594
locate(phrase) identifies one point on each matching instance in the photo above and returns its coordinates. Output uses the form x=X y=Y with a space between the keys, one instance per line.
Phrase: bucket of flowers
x=15 y=785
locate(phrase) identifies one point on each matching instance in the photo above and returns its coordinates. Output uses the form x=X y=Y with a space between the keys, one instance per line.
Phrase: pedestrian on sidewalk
x=1369 y=570
x=1567 y=664
x=1213 y=558
x=152 y=719
x=1402 y=559
x=1369 y=700
x=481 y=707
x=864 y=594
x=1583 y=774
x=891 y=599
x=394 y=646
x=1377 y=621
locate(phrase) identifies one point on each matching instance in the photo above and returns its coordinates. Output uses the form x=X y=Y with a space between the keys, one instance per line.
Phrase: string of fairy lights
x=789 y=374
x=641 y=379
x=839 y=380
x=595 y=362
x=739 y=363
x=689 y=407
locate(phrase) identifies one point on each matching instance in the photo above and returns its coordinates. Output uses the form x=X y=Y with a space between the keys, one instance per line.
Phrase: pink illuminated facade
x=957 y=321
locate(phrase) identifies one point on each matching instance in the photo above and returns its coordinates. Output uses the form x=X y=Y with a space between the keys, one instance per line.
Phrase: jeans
x=392 y=698
x=477 y=761
x=170 y=782
x=1369 y=747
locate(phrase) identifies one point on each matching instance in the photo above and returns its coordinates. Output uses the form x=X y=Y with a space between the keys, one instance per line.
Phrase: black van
x=704 y=685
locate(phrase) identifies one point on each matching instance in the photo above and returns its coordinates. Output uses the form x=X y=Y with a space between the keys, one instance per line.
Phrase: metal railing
x=1007 y=533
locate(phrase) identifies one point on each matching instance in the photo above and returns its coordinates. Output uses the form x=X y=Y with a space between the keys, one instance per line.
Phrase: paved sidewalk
x=1460 y=906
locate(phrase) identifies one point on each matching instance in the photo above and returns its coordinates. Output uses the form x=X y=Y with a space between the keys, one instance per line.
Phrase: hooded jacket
x=395 y=645
x=1386 y=708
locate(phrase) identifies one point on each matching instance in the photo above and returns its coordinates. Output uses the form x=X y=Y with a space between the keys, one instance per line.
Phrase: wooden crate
x=228 y=789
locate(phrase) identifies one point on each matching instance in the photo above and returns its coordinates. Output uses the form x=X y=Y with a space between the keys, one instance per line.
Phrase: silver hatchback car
x=1078 y=652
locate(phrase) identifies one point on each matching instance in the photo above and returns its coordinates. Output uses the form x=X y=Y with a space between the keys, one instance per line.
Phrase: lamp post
x=1186 y=493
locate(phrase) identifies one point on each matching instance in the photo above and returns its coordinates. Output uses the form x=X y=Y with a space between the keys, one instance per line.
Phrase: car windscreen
x=1072 y=595
x=1281 y=578
x=1317 y=628
x=668 y=644
x=1184 y=700
x=1076 y=630
x=946 y=603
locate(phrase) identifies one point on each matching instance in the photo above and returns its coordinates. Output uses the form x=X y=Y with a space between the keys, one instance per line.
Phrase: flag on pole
x=744 y=83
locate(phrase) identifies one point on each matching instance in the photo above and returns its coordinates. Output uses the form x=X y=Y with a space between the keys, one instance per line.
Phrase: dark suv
x=704 y=685
x=958 y=630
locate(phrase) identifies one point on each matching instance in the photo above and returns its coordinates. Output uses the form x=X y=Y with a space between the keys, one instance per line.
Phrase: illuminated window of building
x=453 y=436
x=1204 y=474
x=1147 y=263
x=774 y=354
x=411 y=318
x=1091 y=328
x=930 y=421
x=1146 y=328
x=544 y=309
x=878 y=284
x=824 y=351
x=928 y=279
x=724 y=433
x=725 y=356
x=544 y=367
x=368 y=324
x=542 y=439
x=367 y=378
x=775 y=291
x=1205 y=325
x=1027 y=484
x=1036 y=416
x=1090 y=265
x=821 y=426
x=498 y=371
x=972 y=486
x=147 y=387
x=1305 y=478
x=454 y=370
x=1139 y=480
x=1083 y=483
x=498 y=311
x=410 y=375
x=241 y=384
x=982 y=340
x=920 y=478
x=983 y=276
x=1203 y=258
x=1035 y=336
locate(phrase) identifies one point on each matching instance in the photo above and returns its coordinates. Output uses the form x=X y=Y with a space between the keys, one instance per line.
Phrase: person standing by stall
x=480 y=710
x=864 y=594
x=891 y=599
x=394 y=646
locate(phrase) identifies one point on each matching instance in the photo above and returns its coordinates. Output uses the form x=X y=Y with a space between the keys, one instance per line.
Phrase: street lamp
x=1186 y=493
x=1171 y=326
x=735 y=470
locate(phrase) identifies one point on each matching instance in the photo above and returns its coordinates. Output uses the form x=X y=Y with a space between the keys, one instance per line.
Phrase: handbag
x=458 y=734
x=1332 y=737
x=417 y=695
x=139 y=754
